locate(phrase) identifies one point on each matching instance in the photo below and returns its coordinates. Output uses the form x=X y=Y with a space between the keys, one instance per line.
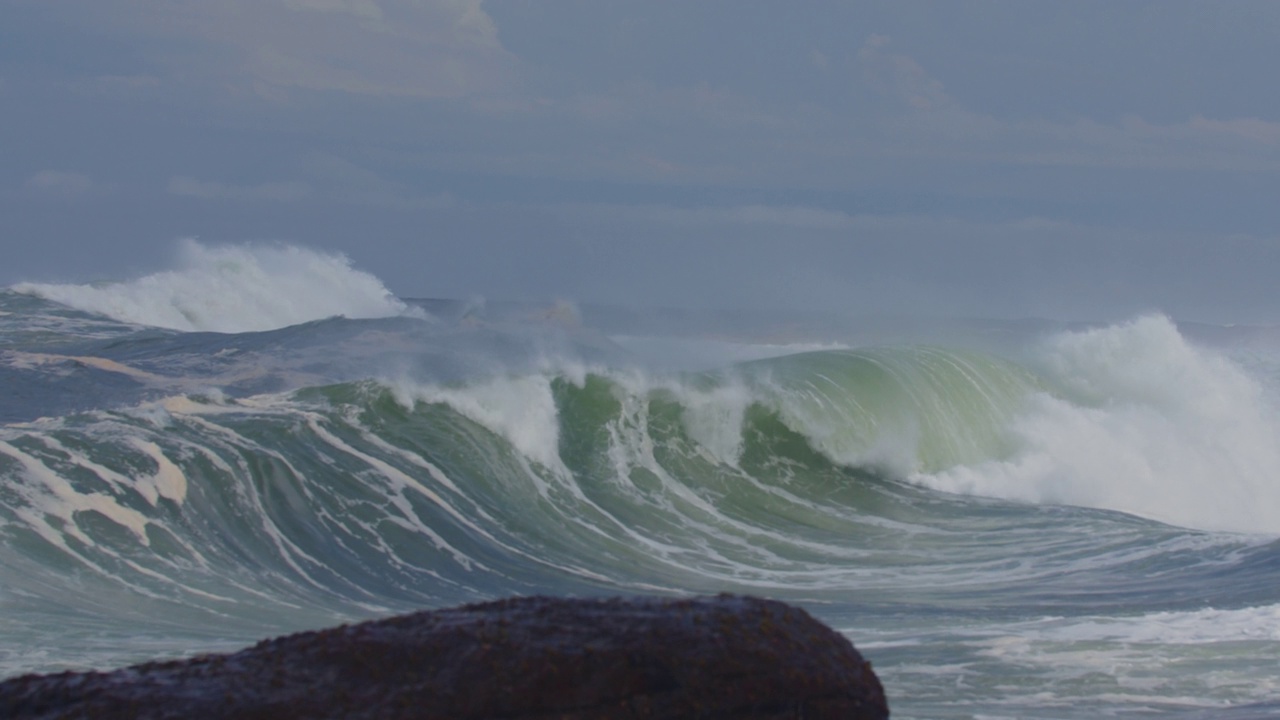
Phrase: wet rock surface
x=534 y=657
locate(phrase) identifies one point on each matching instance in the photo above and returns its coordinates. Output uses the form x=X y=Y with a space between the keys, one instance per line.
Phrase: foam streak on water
x=1071 y=524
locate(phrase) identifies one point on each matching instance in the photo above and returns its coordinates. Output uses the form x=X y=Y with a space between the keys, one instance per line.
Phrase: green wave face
x=901 y=410
x=204 y=522
x=359 y=497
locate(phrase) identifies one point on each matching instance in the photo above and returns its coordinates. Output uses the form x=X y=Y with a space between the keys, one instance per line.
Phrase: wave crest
x=234 y=288
x=1142 y=422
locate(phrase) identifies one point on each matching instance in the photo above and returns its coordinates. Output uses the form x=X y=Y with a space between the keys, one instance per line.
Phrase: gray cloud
x=696 y=152
x=899 y=76
x=186 y=186
x=349 y=182
x=60 y=183
x=412 y=48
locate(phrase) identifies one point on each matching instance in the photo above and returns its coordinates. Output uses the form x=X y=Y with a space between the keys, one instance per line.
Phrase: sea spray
x=235 y=288
x=1139 y=420
x=166 y=492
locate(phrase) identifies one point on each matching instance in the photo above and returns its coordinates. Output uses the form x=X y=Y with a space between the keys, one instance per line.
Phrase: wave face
x=1064 y=523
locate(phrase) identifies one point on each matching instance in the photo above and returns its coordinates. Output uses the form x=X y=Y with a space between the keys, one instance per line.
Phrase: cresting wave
x=234 y=289
x=1129 y=417
x=362 y=497
x=1089 y=513
x=1136 y=419
x=693 y=470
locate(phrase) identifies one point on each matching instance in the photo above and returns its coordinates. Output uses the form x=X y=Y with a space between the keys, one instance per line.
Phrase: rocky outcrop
x=535 y=657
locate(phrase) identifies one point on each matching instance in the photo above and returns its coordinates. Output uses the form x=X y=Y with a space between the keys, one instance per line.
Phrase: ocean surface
x=1011 y=519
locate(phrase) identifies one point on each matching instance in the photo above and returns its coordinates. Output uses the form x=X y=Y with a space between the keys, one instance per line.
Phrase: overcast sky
x=1078 y=160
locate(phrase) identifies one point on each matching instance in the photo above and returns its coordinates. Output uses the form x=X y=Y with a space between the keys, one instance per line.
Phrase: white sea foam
x=714 y=418
x=167 y=481
x=60 y=499
x=235 y=288
x=1196 y=627
x=1144 y=423
x=1146 y=655
x=520 y=409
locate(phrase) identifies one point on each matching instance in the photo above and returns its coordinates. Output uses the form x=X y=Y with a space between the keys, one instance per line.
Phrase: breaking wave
x=234 y=288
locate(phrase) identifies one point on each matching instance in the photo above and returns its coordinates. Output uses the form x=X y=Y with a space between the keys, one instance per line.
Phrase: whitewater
x=1011 y=519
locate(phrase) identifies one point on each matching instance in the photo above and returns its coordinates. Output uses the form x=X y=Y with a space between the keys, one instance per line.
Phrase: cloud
x=404 y=48
x=1251 y=129
x=346 y=181
x=187 y=186
x=899 y=76
x=1132 y=142
x=923 y=121
x=365 y=9
x=64 y=184
x=328 y=178
x=786 y=216
x=806 y=218
x=115 y=85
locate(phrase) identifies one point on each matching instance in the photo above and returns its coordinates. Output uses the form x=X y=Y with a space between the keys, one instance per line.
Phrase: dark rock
x=537 y=657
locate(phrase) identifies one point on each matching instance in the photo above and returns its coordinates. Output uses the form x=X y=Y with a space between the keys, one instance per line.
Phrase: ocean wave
x=1138 y=420
x=986 y=504
x=235 y=288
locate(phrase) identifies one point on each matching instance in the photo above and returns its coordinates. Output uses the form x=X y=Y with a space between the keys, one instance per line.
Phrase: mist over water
x=1012 y=519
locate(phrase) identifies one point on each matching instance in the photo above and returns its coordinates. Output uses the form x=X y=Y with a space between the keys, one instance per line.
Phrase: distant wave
x=234 y=288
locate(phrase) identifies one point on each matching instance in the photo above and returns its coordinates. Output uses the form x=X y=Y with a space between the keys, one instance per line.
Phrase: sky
x=994 y=158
